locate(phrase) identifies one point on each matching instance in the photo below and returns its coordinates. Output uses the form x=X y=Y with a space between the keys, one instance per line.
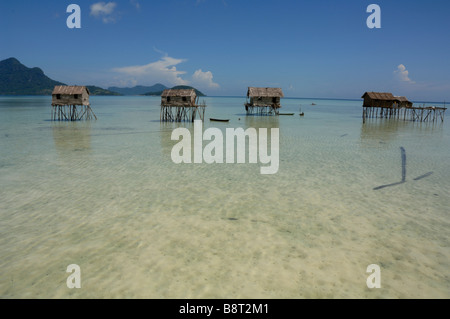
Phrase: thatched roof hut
x=264 y=97
x=70 y=95
x=264 y=92
x=376 y=99
x=178 y=97
x=402 y=101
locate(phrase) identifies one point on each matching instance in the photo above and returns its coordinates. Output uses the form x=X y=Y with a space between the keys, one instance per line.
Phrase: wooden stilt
x=171 y=113
x=72 y=113
x=414 y=114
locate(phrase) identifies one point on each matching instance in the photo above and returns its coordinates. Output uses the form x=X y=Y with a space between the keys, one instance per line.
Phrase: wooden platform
x=262 y=109
x=414 y=114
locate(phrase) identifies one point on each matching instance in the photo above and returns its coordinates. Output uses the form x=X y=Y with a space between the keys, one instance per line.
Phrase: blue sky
x=319 y=48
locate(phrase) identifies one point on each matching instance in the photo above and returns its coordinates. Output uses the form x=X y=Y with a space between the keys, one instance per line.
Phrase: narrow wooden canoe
x=218 y=120
x=286 y=114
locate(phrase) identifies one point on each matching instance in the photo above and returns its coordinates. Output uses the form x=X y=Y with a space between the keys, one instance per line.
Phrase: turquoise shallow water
x=105 y=195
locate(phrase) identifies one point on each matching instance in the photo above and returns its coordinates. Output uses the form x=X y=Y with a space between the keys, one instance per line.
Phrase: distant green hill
x=139 y=90
x=17 y=79
x=95 y=90
x=178 y=87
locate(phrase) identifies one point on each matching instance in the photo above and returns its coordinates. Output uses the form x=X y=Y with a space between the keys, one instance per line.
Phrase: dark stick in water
x=423 y=176
x=403 y=164
x=383 y=186
x=403 y=172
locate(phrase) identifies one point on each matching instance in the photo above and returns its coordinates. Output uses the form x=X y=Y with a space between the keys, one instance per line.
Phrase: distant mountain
x=95 y=90
x=17 y=79
x=178 y=87
x=139 y=90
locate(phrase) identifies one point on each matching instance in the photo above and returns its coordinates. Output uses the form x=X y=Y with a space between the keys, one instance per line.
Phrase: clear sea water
x=105 y=195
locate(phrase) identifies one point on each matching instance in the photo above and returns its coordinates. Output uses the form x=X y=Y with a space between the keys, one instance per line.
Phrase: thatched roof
x=69 y=90
x=401 y=99
x=380 y=96
x=264 y=92
x=178 y=92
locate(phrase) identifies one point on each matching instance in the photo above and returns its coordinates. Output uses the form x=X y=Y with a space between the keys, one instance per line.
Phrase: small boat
x=302 y=114
x=219 y=120
x=286 y=114
x=313 y=104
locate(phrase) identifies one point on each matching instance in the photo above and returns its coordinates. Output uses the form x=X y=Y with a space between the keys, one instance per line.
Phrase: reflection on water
x=381 y=130
x=386 y=130
x=165 y=134
x=72 y=137
x=257 y=121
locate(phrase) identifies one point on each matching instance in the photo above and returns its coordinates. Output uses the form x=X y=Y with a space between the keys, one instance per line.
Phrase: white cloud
x=402 y=74
x=204 y=79
x=104 y=10
x=159 y=51
x=164 y=71
x=136 y=4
